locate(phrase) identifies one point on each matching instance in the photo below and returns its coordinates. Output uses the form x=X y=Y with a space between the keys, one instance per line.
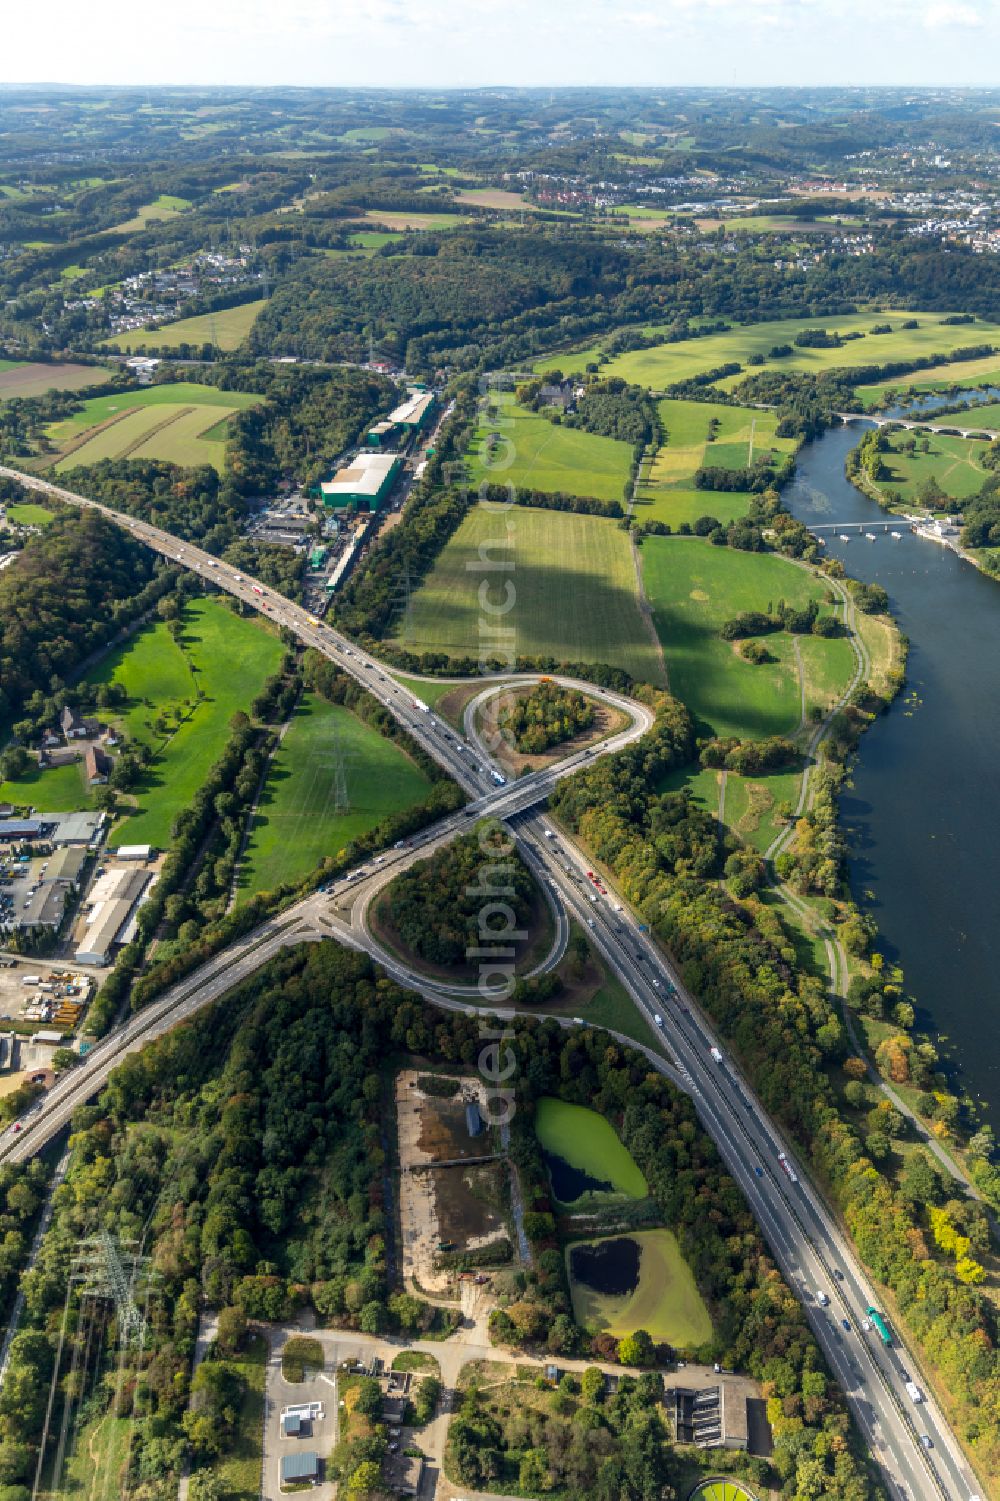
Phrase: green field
x=373 y=239
x=783 y=223
x=428 y=692
x=179 y=423
x=297 y=821
x=227 y=329
x=575 y=592
x=400 y=220
x=97 y=1457
x=956 y=464
x=549 y=457
x=664 y=364
x=369 y=133
x=29 y=514
x=966 y=373
x=750 y=804
x=587 y=1141
x=166 y=206
x=693 y=588
x=985 y=416
x=224 y=657
x=57 y=789
x=742 y=435
x=666 y=1303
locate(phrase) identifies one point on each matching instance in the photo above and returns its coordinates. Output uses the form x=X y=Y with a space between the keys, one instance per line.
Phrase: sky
x=468 y=43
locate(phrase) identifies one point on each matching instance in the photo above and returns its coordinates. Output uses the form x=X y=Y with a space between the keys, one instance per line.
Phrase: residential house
x=97 y=765
x=557 y=396
x=75 y=727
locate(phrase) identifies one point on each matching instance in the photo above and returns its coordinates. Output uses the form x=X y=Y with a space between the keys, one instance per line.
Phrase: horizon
x=440 y=44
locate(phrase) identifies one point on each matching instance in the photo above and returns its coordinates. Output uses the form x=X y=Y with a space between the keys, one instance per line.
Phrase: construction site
x=454 y=1184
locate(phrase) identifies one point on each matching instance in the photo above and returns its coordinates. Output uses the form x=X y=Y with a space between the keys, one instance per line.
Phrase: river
x=921 y=815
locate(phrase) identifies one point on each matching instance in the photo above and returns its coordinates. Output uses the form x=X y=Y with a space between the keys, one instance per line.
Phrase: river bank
x=922 y=856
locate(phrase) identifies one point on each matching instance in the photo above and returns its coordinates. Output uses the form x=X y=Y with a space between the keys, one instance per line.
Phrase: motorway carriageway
x=804 y=1235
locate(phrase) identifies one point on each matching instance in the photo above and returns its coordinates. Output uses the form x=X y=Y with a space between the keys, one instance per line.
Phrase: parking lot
x=18 y=879
x=318 y=1432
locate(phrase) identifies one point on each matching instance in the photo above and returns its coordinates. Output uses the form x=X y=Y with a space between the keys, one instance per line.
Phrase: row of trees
x=551 y=500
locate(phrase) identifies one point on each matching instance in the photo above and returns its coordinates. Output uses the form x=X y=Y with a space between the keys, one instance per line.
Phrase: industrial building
x=15 y=829
x=65 y=865
x=134 y=852
x=415 y=412
x=46 y=907
x=301 y=1468
x=380 y=434
x=73 y=828
x=363 y=483
x=114 y=899
x=411 y=416
x=712 y=1417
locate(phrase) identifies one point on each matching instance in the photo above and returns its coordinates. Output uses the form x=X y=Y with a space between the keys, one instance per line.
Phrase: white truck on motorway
x=822 y=1298
x=787 y=1169
x=716 y=1054
x=913 y=1392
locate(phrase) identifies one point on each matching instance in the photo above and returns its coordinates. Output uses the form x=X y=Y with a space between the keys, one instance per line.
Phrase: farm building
x=363 y=483
x=76 y=727
x=97 y=765
x=415 y=412
x=557 y=396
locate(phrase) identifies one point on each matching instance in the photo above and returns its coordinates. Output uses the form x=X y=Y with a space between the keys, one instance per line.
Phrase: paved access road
x=803 y=1233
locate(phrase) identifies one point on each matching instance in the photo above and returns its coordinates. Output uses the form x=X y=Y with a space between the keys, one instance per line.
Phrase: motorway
x=805 y=1238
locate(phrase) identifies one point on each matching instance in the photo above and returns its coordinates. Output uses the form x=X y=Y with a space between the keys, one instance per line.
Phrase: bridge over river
x=948 y=428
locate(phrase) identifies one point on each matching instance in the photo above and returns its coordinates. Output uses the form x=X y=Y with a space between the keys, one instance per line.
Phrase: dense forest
x=436 y=906
x=545 y=717
x=251 y=1143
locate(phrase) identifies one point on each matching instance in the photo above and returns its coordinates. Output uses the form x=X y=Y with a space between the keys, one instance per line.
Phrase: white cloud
x=944 y=14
